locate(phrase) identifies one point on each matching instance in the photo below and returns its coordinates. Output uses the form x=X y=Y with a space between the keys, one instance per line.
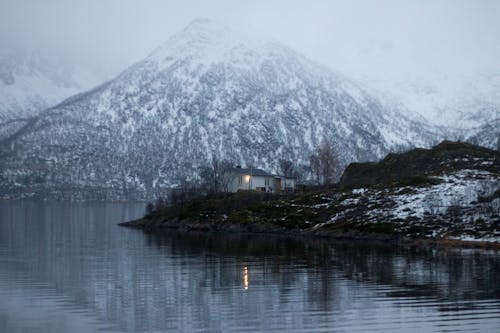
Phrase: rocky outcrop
x=456 y=198
x=413 y=167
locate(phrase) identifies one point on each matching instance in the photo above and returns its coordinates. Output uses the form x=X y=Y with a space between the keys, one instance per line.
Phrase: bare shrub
x=324 y=163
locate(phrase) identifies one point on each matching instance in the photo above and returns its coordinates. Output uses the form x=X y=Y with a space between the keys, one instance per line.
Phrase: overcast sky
x=373 y=38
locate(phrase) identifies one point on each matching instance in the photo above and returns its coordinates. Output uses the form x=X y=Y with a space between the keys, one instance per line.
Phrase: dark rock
x=413 y=167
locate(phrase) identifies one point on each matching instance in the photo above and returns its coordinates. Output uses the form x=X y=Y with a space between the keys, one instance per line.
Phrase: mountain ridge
x=157 y=121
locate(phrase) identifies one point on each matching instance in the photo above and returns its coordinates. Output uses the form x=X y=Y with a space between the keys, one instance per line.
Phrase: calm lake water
x=67 y=267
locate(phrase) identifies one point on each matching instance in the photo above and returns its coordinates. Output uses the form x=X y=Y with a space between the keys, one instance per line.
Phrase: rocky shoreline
x=273 y=230
x=454 y=200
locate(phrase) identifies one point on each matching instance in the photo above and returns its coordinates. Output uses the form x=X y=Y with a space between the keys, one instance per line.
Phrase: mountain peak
x=203 y=23
x=207 y=90
x=207 y=40
x=204 y=29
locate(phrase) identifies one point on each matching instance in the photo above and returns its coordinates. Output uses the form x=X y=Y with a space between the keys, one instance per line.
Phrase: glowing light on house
x=247 y=179
x=245 y=277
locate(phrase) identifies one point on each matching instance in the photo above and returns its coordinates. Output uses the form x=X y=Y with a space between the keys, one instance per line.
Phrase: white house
x=259 y=180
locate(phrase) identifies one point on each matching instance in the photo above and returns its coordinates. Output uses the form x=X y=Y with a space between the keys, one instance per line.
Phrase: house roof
x=252 y=171
x=256 y=172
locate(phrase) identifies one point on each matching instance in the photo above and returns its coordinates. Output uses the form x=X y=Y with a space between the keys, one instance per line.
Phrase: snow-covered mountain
x=465 y=102
x=31 y=81
x=207 y=90
x=467 y=108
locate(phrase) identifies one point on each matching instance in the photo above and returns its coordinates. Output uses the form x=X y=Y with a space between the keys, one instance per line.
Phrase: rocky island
x=449 y=194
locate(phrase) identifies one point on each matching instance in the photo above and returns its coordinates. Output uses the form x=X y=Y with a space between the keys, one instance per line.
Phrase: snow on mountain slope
x=465 y=102
x=487 y=135
x=31 y=81
x=208 y=90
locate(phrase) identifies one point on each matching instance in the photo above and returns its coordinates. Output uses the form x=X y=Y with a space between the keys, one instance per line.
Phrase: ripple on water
x=73 y=270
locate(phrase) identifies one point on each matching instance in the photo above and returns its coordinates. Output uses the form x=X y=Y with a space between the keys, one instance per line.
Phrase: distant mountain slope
x=461 y=102
x=207 y=90
x=31 y=81
x=486 y=135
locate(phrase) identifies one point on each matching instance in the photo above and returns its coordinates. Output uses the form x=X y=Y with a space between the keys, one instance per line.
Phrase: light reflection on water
x=245 y=277
x=69 y=268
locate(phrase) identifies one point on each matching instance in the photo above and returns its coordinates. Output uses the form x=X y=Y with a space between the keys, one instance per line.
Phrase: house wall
x=234 y=186
x=288 y=183
x=282 y=183
x=258 y=182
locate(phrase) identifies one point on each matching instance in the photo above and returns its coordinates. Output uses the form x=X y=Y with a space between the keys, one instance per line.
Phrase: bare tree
x=286 y=167
x=315 y=167
x=301 y=171
x=498 y=142
x=208 y=180
x=149 y=208
x=185 y=191
x=160 y=203
x=324 y=163
x=216 y=176
x=224 y=174
x=474 y=140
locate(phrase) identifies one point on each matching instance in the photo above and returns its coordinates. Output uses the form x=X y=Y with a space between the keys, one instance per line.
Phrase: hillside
x=456 y=197
x=417 y=164
x=208 y=90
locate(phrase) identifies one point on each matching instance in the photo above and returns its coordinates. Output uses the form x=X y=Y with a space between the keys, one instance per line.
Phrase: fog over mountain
x=31 y=81
x=207 y=91
x=437 y=58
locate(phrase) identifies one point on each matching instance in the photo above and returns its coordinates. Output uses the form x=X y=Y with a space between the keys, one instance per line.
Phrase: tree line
x=216 y=176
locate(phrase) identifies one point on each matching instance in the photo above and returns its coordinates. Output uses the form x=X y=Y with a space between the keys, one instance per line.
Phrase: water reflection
x=245 y=277
x=69 y=268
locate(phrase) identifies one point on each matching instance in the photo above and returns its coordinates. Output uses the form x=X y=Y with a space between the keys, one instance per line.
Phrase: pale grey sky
x=376 y=38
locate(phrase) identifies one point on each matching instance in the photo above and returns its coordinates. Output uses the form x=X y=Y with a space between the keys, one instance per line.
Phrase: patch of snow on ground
x=359 y=191
x=461 y=188
x=350 y=201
